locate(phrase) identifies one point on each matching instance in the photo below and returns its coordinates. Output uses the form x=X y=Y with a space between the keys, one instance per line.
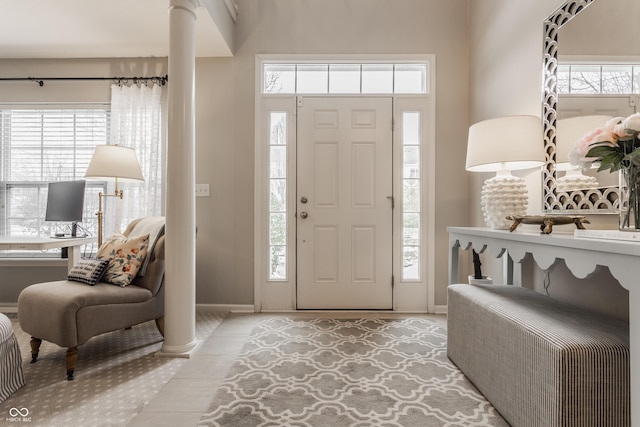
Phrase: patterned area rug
x=116 y=376
x=356 y=373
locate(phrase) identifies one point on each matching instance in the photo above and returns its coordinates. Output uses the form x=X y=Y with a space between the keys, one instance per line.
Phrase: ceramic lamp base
x=503 y=195
x=575 y=180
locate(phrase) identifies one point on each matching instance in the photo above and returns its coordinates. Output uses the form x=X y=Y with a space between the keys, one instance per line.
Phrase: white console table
x=582 y=256
x=43 y=243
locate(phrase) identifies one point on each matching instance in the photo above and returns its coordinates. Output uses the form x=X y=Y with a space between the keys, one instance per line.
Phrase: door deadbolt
x=303 y=200
x=303 y=214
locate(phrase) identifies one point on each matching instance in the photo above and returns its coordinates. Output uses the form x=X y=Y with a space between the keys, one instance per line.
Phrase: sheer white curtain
x=137 y=122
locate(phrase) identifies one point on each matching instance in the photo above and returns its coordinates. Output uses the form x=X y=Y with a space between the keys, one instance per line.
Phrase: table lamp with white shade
x=568 y=132
x=502 y=145
x=113 y=162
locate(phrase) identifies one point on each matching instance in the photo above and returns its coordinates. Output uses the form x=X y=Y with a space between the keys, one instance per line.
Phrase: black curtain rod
x=162 y=80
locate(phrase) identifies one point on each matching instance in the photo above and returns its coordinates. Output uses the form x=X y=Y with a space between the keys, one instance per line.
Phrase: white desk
x=42 y=243
x=582 y=256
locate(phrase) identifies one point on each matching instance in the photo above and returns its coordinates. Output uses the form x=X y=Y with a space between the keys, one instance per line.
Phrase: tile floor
x=187 y=396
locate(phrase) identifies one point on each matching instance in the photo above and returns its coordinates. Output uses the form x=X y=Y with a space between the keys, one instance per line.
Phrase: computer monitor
x=65 y=202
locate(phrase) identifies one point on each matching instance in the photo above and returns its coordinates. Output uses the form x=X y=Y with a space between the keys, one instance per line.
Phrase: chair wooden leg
x=72 y=358
x=35 y=348
x=160 y=325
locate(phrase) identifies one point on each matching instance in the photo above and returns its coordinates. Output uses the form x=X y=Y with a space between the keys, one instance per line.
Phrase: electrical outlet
x=202 y=190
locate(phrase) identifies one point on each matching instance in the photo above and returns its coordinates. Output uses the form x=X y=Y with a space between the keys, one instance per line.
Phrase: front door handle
x=303 y=214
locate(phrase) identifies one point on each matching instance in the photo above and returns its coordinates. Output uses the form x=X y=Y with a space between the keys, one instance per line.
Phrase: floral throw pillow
x=125 y=255
x=88 y=271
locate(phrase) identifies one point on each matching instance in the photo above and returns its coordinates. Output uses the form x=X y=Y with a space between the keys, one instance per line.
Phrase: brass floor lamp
x=112 y=162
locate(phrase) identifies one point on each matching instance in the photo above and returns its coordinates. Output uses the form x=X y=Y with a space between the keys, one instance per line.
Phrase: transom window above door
x=345 y=78
x=592 y=78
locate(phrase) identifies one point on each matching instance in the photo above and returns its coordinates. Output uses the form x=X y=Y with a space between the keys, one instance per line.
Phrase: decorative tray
x=547 y=221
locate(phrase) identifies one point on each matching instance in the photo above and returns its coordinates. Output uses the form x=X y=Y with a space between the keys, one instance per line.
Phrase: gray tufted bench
x=539 y=361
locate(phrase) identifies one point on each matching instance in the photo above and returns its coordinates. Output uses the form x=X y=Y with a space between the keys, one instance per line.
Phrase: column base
x=182 y=351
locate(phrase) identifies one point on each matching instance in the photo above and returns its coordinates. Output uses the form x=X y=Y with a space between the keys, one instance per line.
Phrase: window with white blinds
x=39 y=145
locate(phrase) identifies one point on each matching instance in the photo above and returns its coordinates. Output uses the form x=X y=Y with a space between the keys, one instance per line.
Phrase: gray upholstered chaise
x=68 y=313
x=539 y=361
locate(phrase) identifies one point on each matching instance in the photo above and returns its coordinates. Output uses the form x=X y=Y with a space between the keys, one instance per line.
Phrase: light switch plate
x=202 y=190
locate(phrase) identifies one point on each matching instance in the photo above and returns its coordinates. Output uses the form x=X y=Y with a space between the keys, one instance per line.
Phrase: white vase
x=629 y=199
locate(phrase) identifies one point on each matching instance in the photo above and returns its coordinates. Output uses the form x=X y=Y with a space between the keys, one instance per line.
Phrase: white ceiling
x=97 y=29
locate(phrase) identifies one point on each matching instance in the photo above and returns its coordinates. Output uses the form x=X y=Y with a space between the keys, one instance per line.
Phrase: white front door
x=344 y=203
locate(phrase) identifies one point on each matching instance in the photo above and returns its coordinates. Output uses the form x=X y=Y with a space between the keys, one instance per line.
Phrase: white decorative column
x=180 y=248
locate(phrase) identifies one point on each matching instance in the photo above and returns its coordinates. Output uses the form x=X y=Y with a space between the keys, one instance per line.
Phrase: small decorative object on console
x=547 y=221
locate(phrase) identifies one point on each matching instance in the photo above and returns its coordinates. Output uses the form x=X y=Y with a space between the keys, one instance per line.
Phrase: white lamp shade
x=114 y=161
x=570 y=130
x=505 y=143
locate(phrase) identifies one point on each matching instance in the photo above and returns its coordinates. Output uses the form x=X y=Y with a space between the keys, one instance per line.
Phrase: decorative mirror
x=558 y=200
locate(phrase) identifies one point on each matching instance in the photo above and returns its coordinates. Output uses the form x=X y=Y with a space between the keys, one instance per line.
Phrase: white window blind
x=39 y=145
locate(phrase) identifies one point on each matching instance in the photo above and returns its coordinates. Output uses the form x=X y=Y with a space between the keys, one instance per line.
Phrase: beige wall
x=505 y=79
x=487 y=69
x=75 y=91
x=321 y=27
x=622 y=37
x=225 y=113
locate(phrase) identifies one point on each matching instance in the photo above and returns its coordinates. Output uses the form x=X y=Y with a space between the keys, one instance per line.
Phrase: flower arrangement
x=616 y=147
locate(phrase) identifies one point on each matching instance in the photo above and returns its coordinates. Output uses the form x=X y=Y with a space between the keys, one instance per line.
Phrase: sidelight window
x=278 y=195
x=411 y=200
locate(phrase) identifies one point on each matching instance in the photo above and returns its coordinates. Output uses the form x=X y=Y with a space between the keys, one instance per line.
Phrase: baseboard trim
x=440 y=309
x=231 y=308
x=202 y=308
x=8 y=307
x=234 y=308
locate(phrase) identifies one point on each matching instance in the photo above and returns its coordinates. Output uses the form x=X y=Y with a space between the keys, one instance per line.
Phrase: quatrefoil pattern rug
x=356 y=373
x=116 y=376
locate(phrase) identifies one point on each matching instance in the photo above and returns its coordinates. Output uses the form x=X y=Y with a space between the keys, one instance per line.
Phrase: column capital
x=189 y=5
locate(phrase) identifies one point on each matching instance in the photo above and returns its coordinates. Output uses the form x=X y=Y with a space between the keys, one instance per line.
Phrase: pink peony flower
x=575 y=158
x=601 y=135
x=621 y=131
x=632 y=122
x=615 y=121
x=616 y=134
x=582 y=145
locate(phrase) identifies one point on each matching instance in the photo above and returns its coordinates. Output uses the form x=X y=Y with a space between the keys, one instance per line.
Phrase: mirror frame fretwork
x=593 y=200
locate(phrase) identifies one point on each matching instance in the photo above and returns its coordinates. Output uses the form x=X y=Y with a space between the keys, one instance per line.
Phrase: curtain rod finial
x=39 y=81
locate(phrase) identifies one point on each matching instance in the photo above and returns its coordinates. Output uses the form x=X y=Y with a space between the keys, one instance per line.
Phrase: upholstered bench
x=539 y=361
x=11 y=376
